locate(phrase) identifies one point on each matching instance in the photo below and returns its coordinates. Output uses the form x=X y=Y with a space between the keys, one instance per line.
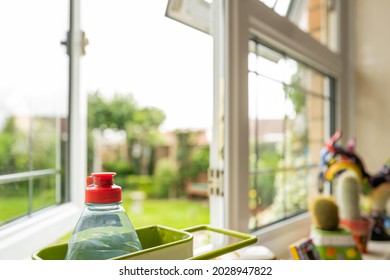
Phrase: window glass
x=13 y=201
x=288 y=111
x=44 y=138
x=34 y=104
x=316 y=17
x=44 y=192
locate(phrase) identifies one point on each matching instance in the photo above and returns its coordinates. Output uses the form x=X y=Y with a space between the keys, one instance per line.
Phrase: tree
x=112 y=113
x=183 y=157
x=121 y=112
x=143 y=131
x=104 y=114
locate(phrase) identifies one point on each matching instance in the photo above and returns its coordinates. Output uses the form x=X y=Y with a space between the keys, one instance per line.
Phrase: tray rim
x=189 y=238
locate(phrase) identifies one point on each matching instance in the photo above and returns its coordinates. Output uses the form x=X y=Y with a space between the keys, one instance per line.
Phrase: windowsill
x=278 y=237
x=25 y=236
x=377 y=250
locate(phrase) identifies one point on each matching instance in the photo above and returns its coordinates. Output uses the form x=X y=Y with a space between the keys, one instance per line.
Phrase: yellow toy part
x=337 y=167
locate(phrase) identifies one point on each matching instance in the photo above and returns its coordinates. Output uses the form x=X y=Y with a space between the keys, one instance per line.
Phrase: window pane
x=13 y=201
x=288 y=105
x=14 y=143
x=34 y=100
x=45 y=133
x=316 y=17
x=44 y=192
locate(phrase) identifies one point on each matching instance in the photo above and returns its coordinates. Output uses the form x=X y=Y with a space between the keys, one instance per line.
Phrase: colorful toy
x=304 y=249
x=374 y=188
x=335 y=159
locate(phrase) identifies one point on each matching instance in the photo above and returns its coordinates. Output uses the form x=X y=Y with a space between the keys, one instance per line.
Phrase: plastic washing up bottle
x=104 y=230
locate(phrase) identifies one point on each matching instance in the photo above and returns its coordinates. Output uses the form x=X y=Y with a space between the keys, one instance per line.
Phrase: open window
x=270 y=79
x=40 y=123
x=278 y=75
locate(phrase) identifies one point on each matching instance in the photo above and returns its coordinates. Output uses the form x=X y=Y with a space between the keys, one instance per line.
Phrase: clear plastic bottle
x=104 y=230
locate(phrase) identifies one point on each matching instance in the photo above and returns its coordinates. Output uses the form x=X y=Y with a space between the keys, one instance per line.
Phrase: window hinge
x=215 y=181
x=84 y=43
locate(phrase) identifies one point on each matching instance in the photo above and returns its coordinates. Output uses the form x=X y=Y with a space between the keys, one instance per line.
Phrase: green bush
x=166 y=179
x=122 y=168
x=200 y=160
x=139 y=183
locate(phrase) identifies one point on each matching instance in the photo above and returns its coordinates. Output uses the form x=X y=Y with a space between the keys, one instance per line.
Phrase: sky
x=134 y=48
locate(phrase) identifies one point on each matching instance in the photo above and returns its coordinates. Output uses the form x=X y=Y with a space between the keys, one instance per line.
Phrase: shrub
x=166 y=178
x=139 y=183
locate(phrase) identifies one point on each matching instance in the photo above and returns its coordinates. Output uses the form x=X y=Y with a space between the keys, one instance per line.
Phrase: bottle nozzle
x=103 y=178
x=101 y=188
x=89 y=180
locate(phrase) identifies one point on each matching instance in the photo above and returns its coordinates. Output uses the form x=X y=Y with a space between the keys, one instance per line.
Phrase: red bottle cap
x=101 y=188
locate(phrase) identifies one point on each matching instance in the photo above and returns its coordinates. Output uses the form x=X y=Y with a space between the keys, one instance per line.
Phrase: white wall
x=372 y=37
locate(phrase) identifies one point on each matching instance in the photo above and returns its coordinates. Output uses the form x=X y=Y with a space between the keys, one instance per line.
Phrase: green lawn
x=177 y=214
x=12 y=207
x=174 y=213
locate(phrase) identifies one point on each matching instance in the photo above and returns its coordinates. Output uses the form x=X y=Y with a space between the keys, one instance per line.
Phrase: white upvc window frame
x=19 y=239
x=243 y=19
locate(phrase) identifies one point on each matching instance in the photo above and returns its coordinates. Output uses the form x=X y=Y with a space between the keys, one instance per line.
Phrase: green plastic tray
x=163 y=243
